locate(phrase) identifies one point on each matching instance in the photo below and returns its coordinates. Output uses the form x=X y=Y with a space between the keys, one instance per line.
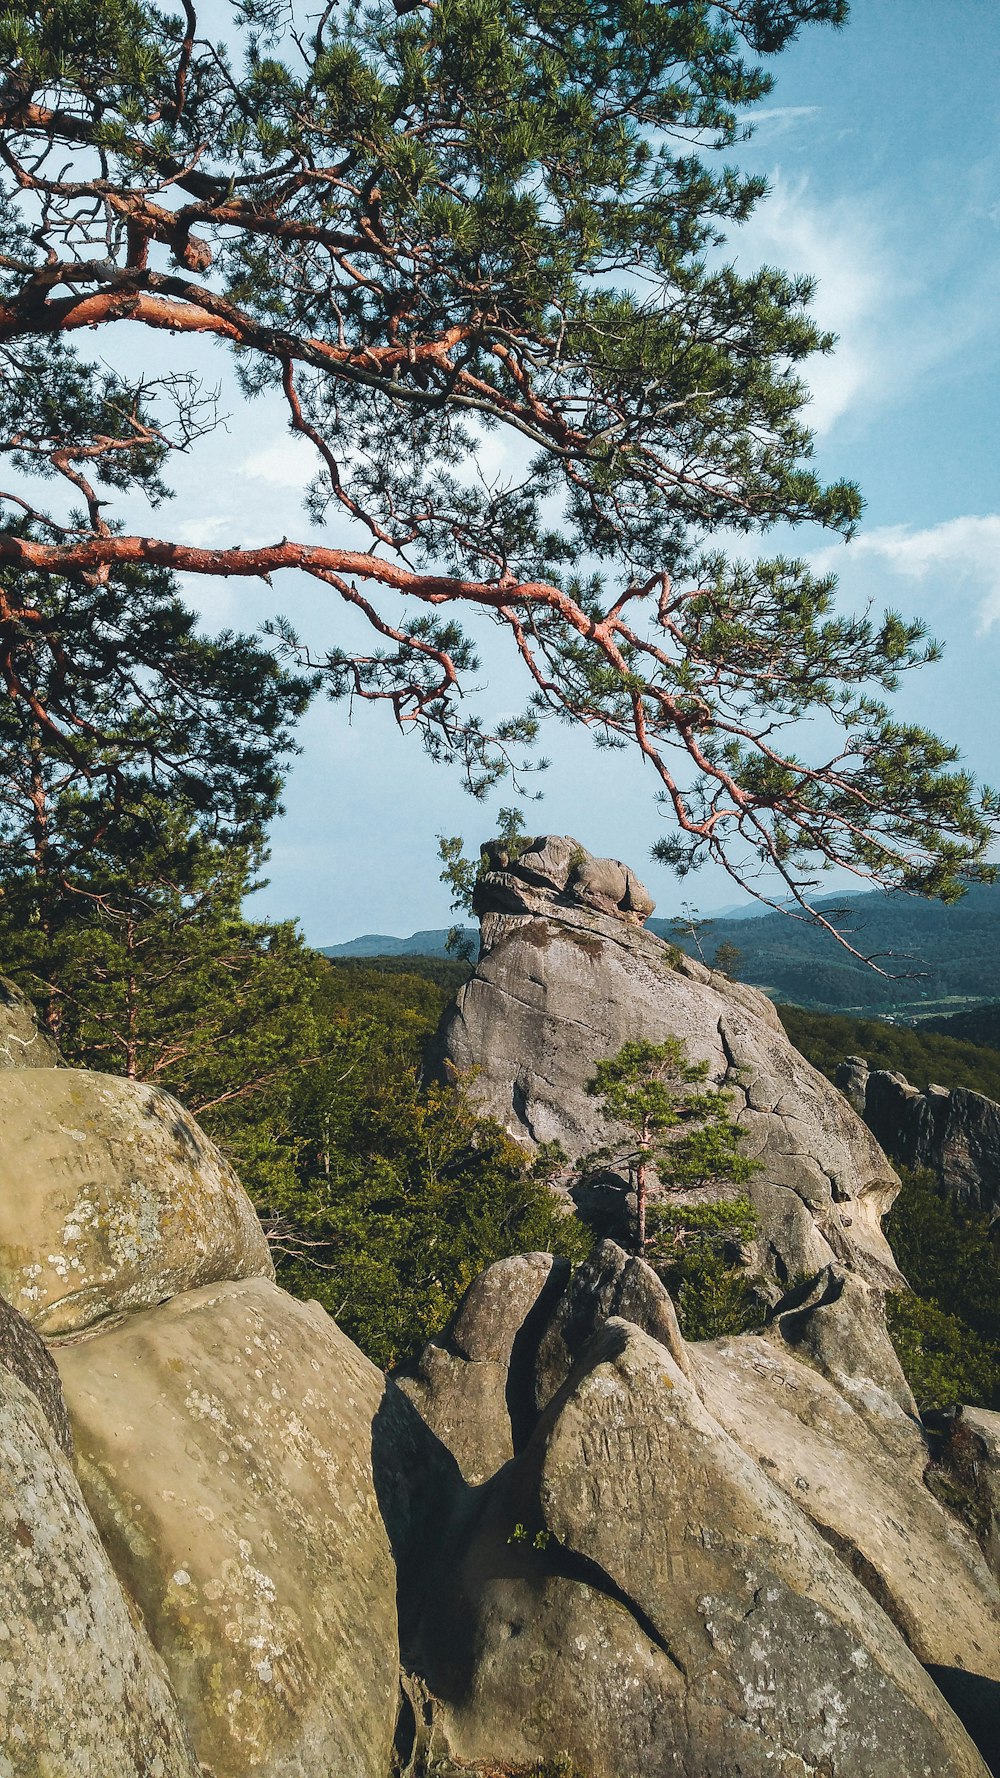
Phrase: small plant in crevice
x=521 y=1535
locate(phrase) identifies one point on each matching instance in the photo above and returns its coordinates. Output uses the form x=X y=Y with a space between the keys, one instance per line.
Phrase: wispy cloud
x=841 y=245
x=776 y=120
x=958 y=556
x=898 y=316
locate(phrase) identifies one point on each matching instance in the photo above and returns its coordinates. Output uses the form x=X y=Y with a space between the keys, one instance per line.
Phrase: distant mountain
x=419 y=944
x=933 y=954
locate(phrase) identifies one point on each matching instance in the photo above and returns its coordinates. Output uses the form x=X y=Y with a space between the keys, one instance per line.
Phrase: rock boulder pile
x=232 y=1548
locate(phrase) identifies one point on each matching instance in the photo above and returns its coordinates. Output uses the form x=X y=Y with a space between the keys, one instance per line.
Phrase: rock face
x=111 y=1199
x=627 y=1582
x=82 y=1693
x=23 y=1044
x=560 y=986
x=667 y=1608
x=224 y=1448
x=955 y=1133
x=564 y=1532
x=24 y=1353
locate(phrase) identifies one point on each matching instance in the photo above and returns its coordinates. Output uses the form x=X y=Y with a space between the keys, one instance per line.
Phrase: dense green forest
x=976 y=1024
x=932 y=952
x=923 y=1055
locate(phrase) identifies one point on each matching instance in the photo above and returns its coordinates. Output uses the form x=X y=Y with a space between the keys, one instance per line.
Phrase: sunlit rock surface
x=111 y=1199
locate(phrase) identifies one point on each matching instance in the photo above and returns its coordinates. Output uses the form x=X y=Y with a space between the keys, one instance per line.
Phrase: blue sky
x=882 y=148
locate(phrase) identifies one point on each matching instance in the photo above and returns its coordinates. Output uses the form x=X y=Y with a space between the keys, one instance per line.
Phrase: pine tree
x=682 y=1127
x=417 y=224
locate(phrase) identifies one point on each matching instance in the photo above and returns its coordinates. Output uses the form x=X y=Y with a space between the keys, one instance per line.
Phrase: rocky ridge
x=565 y=977
x=952 y=1131
x=233 y=1548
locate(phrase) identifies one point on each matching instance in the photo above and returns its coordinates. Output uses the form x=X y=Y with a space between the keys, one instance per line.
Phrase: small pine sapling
x=682 y=1125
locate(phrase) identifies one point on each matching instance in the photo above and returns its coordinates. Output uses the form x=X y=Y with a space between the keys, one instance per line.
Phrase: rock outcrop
x=564 y=1533
x=82 y=1692
x=955 y=1133
x=633 y=1591
x=561 y=984
x=23 y=1043
x=112 y=1199
x=224 y=1449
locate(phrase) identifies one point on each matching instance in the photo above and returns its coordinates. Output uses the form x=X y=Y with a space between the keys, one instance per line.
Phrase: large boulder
x=112 y=1199
x=860 y=1479
x=474 y=1385
x=23 y=1043
x=560 y=985
x=224 y=1445
x=635 y=1593
x=82 y=1693
x=24 y=1353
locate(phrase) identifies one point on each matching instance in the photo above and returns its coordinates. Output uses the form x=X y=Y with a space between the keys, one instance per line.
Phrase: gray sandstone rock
x=474 y=1387
x=560 y=986
x=554 y=868
x=860 y=1478
x=610 y=1283
x=224 y=1445
x=24 y=1353
x=837 y=1323
x=633 y=1591
x=82 y=1694
x=956 y=1133
x=111 y=1199
x=23 y=1044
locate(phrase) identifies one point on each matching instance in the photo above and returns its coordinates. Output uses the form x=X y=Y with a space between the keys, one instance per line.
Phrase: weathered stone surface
x=559 y=986
x=556 y=868
x=667 y=1607
x=837 y=1323
x=860 y=1479
x=610 y=1283
x=224 y=1448
x=111 y=1199
x=955 y=1133
x=23 y=1044
x=474 y=1387
x=82 y=1694
x=25 y=1354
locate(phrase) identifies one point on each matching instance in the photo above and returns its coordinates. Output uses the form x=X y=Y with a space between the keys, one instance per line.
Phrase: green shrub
x=697 y=1250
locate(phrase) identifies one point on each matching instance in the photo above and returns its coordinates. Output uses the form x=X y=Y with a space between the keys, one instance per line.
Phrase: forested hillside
x=933 y=952
x=923 y=1056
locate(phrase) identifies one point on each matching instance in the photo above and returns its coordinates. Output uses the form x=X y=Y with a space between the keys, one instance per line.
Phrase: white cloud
x=288 y=463
x=960 y=555
x=775 y=120
x=842 y=246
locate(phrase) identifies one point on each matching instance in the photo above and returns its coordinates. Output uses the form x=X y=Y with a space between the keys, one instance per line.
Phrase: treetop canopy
x=419 y=222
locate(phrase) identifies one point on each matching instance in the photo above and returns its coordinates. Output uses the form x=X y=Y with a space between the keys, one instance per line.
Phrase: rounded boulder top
x=111 y=1200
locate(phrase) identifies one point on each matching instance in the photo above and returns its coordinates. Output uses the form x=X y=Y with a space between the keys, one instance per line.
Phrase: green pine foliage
x=402 y=1195
x=413 y=223
x=698 y=1251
